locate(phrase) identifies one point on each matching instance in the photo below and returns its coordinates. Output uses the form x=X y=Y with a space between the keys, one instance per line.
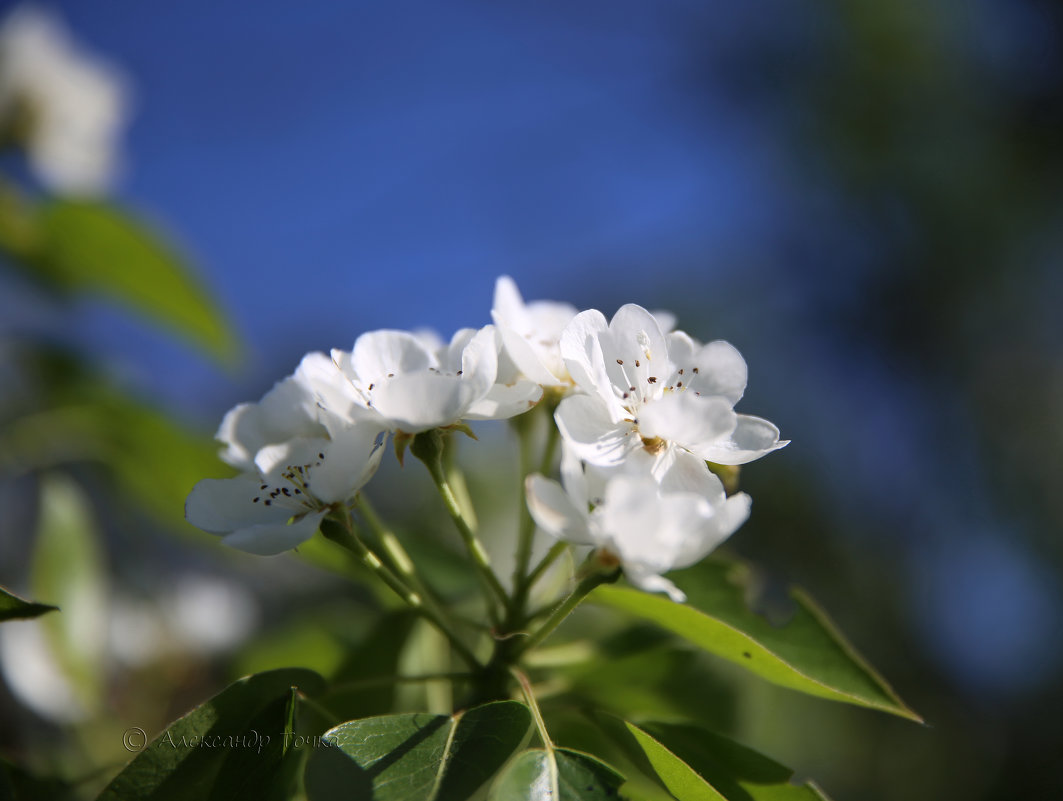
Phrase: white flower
x=415 y=383
x=65 y=107
x=531 y=333
x=298 y=456
x=650 y=526
x=648 y=390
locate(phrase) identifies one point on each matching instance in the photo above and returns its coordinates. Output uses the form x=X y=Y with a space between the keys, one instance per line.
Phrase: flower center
x=295 y=492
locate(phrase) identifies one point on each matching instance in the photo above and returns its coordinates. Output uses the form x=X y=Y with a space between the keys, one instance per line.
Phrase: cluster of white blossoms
x=64 y=107
x=641 y=409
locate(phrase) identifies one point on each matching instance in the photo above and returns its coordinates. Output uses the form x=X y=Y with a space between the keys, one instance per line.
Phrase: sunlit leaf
x=534 y=774
x=92 y=246
x=807 y=653
x=232 y=747
x=14 y=608
x=695 y=764
x=418 y=757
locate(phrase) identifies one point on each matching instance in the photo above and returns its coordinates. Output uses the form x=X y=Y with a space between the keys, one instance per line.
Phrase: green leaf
x=230 y=748
x=740 y=773
x=153 y=460
x=806 y=654
x=694 y=764
x=92 y=246
x=354 y=691
x=14 y=608
x=17 y=784
x=68 y=567
x=579 y=776
x=636 y=673
x=418 y=757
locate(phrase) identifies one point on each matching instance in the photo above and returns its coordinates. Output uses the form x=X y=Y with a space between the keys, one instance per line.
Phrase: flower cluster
x=641 y=410
x=63 y=106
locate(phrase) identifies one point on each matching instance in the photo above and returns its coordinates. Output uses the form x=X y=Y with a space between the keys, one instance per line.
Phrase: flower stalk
x=428 y=447
x=346 y=538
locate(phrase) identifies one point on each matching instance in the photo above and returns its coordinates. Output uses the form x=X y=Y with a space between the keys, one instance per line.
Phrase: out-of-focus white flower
x=301 y=449
x=415 y=383
x=64 y=106
x=649 y=526
x=531 y=333
x=657 y=392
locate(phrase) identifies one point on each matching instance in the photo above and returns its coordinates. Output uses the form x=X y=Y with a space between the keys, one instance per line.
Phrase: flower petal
x=689 y=473
x=416 y=402
x=651 y=582
x=584 y=422
x=554 y=512
x=479 y=362
x=526 y=359
x=721 y=370
x=351 y=458
x=752 y=438
x=636 y=352
x=506 y=400
x=268 y=539
x=378 y=354
x=686 y=418
x=220 y=505
x=581 y=349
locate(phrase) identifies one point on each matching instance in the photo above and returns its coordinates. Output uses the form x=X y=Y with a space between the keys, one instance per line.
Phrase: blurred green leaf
x=695 y=764
x=354 y=691
x=230 y=748
x=17 y=784
x=154 y=460
x=418 y=757
x=657 y=680
x=806 y=654
x=68 y=566
x=92 y=246
x=580 y=777
x=14 y=608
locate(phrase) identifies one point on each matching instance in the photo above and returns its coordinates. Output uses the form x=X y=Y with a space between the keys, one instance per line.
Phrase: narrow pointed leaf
x=230 y=748
x=733 y=769
x=92 y=246
x=580 y=777
x=806 y=654
x=14 y=608
x=694 y=764
x=418 y=757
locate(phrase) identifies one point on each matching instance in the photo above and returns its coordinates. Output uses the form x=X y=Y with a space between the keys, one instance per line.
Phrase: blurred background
x=865 y=198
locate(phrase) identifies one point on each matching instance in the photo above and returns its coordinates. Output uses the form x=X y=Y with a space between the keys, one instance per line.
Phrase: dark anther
x=652 y=379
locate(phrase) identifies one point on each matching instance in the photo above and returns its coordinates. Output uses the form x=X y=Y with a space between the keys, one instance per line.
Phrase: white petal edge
x=269 y=539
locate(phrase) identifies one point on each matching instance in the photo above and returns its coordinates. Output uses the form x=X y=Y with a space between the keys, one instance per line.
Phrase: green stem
x=347 y=539
x=563 y=610
x=522 y=580
x=533 y=705
x=525 y=427
x=555 y=551
x=428 y=447
x=397 y=555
